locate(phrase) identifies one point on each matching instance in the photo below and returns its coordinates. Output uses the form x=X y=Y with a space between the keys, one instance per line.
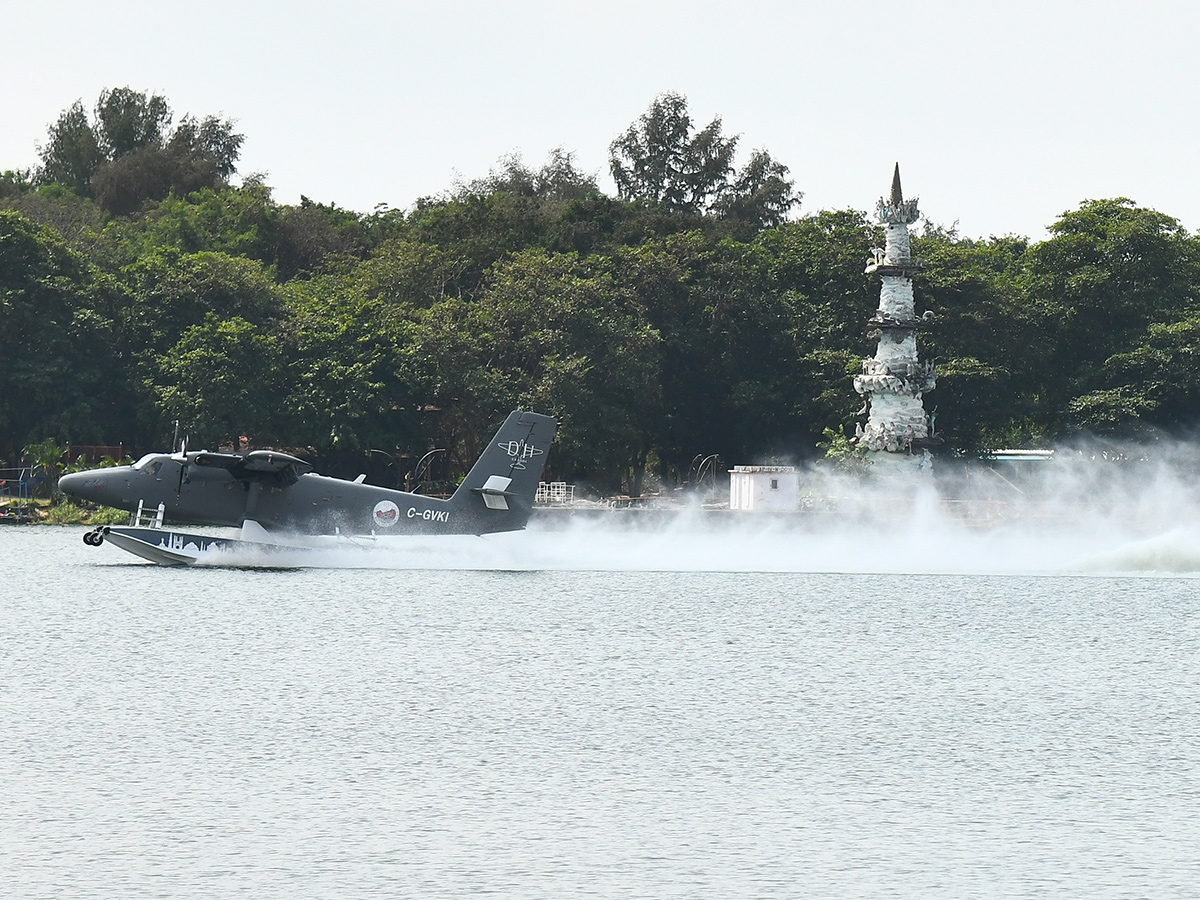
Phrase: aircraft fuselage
x=313 y=504
x=266 y=487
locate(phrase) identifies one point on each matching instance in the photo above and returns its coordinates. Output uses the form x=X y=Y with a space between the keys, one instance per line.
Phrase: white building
x=764 y=488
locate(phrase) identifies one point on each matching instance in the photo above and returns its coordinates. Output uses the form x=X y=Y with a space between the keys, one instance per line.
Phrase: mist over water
x=1084 y=512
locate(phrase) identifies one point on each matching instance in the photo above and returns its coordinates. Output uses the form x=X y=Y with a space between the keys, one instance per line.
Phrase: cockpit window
x=145 y=462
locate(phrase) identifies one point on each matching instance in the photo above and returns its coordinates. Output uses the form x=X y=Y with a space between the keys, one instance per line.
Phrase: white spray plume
x=1126 y=510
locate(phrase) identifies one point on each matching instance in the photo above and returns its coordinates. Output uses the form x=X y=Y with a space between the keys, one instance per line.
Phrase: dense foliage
x=693 y=314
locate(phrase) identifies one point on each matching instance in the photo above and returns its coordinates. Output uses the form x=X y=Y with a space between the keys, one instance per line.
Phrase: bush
x=69 y=513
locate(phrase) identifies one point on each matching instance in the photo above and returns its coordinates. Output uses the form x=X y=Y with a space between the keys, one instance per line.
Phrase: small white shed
x=764 y=488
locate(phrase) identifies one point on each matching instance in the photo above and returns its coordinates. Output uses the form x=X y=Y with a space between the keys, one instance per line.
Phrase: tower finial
x=897 y=194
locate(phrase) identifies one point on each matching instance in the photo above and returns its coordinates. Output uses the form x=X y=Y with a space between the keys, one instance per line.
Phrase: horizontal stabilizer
x=494 y=491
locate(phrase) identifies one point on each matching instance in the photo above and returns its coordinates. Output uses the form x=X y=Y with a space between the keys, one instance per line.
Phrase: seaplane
x=280 y=507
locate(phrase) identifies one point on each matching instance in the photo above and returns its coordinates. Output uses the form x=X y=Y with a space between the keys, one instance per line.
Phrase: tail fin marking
x=506 y=475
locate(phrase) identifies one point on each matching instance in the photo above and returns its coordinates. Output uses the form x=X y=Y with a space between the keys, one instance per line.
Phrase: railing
x=14 y=492
x=554 y=493
x=15 y=482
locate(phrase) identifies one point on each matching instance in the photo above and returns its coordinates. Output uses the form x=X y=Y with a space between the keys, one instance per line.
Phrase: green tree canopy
x=222 y=380
x=550 y=332
x=59 y=343
x=1110 y=271
x=987 y=396
x=691 y=313
x=172 y=291
x=127 y=155
x=72 y=151
x=349 y=386
x=662 y=160
x=128 y=120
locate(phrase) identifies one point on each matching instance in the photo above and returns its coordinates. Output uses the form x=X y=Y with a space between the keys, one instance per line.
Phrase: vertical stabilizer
x=499 y=490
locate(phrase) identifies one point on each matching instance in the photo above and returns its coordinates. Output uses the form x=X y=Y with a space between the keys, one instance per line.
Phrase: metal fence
x=16 y=486
x=554 y=493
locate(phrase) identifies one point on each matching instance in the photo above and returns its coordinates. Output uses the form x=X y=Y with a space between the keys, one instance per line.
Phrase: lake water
x=603 y=714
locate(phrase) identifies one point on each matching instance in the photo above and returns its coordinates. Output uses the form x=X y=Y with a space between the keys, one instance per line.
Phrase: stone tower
x=894 y=379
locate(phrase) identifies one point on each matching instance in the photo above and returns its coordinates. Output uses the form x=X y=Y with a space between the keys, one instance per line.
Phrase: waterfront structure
x=764 y=488
x=894 y=380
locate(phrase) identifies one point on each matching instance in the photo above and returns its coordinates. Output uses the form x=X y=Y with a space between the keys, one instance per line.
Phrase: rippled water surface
x=438 y=728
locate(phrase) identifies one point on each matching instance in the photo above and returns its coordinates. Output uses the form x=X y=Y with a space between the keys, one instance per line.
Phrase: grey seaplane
x=280 y=505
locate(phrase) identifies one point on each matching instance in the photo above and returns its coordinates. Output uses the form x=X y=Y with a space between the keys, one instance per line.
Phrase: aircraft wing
x=255 y=465
x=270 y=461
x=216 y=460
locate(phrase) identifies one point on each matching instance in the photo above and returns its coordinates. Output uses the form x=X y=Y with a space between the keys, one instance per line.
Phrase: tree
x=15 y=182
x=120 y=187
x=1150 y=387
x=241 y=221
x=45 y=459
x=349 y=386
x=478 y=230
x=557 y=180
x=193 y=159
x=72 y=151
x=128 y=120
x=127 y=156
x=212 y=140
x=990 y=344
x=818 y=262
x=222 y=380
x=408 y=274
x=74 y=216
x=554 y=333
x=60 y=373
x=1110 y=271
x=731 y=353
x=660 y=160
x=312 y=233
x=512 y=209
x=172 y=291
x=760 y=197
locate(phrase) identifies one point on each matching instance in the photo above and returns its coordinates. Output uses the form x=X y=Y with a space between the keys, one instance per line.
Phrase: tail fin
x=498 y=492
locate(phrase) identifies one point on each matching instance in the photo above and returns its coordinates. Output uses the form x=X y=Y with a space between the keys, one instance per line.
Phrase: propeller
x=183 y=466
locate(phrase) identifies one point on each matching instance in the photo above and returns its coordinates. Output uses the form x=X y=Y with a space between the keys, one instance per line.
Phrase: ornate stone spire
x=895 y=210
x=894 y=379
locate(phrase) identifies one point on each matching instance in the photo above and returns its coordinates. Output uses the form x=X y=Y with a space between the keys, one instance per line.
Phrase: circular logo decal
x=386 y=513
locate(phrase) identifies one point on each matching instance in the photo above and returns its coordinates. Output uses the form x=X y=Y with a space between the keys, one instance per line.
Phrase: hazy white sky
x=1001 y=114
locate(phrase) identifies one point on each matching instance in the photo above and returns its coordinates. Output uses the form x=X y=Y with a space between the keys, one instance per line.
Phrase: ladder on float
x=145 y=518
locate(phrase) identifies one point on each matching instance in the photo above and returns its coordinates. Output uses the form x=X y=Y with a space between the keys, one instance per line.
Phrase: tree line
x=694 y=313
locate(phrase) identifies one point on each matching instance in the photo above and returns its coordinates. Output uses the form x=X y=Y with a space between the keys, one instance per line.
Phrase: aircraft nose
x=72 y=485
x=103 y=486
